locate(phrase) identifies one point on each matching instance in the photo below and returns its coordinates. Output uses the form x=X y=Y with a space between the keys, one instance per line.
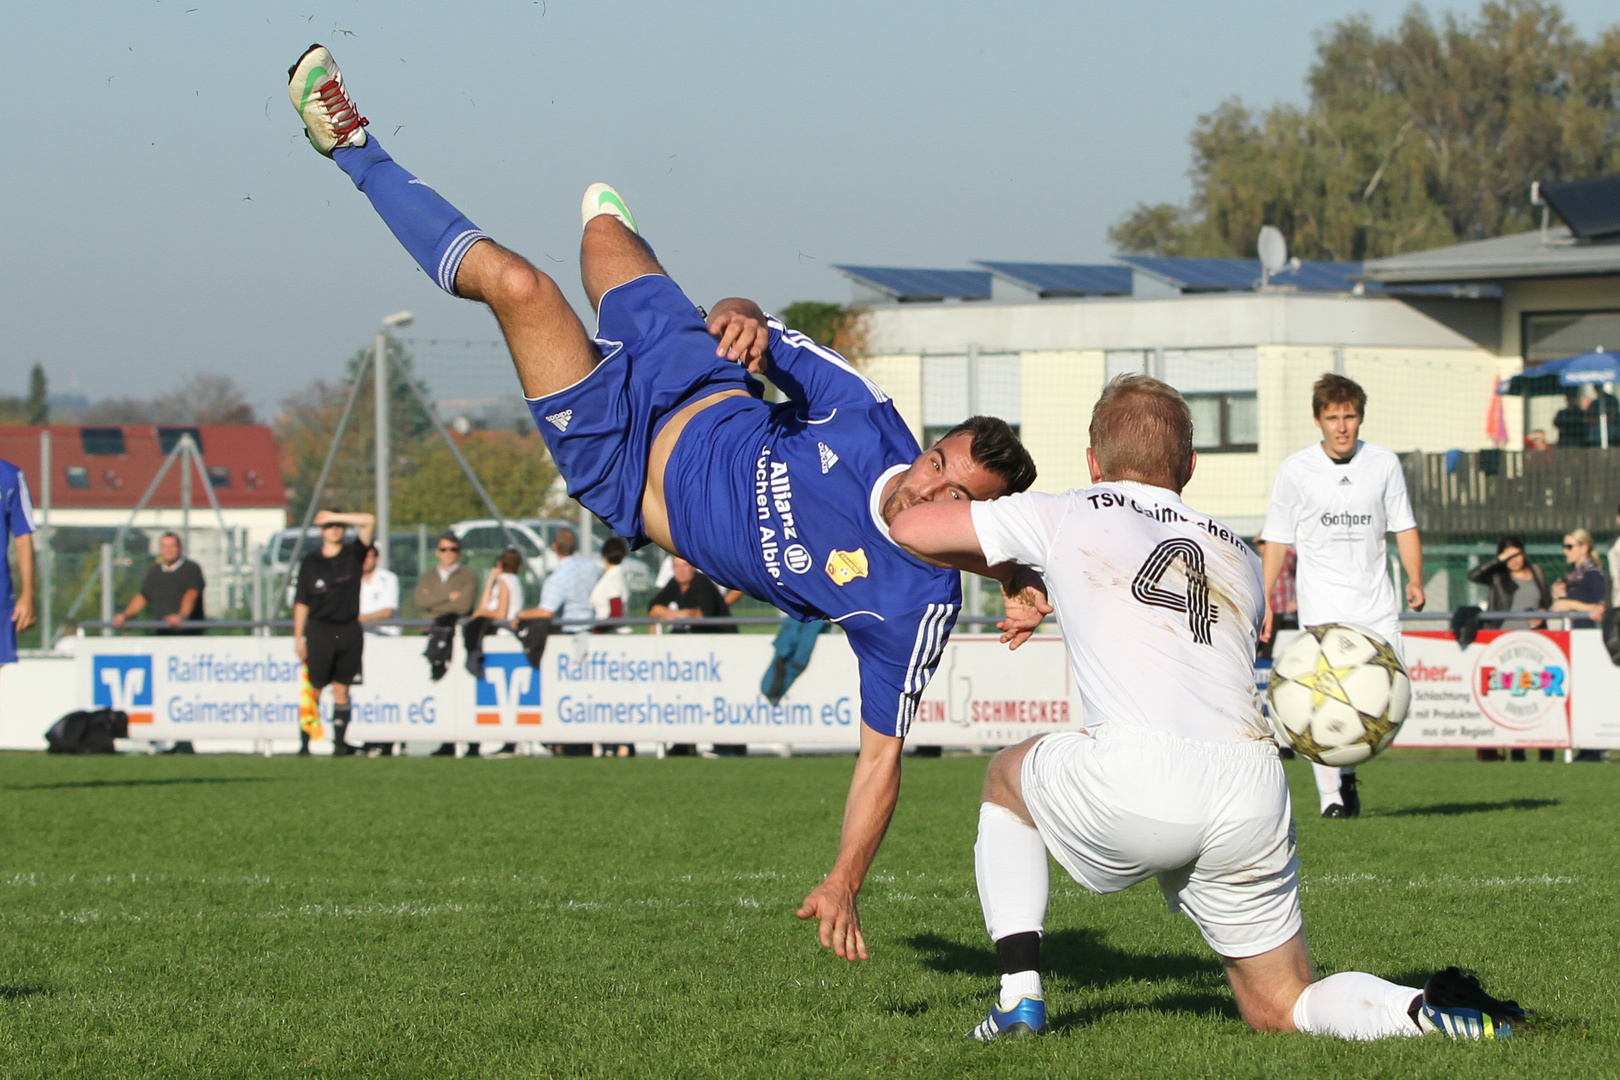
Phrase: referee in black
x=326 y=614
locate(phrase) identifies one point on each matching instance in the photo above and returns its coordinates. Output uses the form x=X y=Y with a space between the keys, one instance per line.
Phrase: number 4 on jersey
x=1201 y=614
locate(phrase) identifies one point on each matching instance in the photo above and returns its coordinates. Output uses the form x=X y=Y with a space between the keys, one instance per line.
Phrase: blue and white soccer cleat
x=1028 y=1017
x=1455 y=1004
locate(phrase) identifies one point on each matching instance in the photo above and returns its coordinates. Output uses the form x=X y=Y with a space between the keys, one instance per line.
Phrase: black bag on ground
x=87 y=731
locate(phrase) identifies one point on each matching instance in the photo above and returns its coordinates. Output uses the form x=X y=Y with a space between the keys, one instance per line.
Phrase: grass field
x=243 y=917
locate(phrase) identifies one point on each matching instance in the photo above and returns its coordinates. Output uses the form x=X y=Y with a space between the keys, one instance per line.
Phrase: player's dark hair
x=1333 y=389
x=998 y=450
x=511 y=561
x=564 y=542
x=1142 y=430
x=614 y=549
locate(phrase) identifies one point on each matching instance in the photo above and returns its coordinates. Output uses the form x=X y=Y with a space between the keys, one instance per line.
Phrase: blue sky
x=165 y=215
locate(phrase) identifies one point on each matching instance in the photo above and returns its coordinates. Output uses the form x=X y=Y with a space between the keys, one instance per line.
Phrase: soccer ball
x=1338 y=694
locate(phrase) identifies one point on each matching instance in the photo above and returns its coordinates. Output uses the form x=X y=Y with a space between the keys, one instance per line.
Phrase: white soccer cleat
x=602 y=199
x=315 y=86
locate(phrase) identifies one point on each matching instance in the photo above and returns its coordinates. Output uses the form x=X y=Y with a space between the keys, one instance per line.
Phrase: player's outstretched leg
x=549 y=345
x=1009 y=861
x=611 y=251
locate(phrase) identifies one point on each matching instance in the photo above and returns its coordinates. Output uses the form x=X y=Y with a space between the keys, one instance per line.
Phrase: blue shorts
x=657 y=356
x=8 y=635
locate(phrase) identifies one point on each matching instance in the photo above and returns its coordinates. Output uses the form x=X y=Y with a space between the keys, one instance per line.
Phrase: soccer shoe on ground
x=1335 y=810
x=316 y=87
x=1455 y=1004
x=1348 y=796
x=601 y=199
x=1028 y=1017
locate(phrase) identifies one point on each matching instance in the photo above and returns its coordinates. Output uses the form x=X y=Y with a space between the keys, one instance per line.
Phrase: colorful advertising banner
x=1510 y=688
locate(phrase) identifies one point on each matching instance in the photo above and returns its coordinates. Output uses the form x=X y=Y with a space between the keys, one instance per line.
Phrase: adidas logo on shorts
x=559 y=420
x=828 y=458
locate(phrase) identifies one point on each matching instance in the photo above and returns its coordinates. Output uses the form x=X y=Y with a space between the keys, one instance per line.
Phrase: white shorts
x=1212 y=821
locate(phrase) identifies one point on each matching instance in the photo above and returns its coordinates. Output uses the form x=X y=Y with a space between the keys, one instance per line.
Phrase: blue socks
x=436 y=234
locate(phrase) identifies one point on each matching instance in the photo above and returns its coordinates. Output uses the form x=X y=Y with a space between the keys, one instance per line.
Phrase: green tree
x=514 y=468
x=39 y=404
x=309 y=419
x=836 y=326
x=1427 y=135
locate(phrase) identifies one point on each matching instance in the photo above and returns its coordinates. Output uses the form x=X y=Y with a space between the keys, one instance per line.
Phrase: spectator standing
x=326 y=616
x=379 y=595
x=566 y=594
x=172 y=590
x=1602 y=419
x=446 y=594
x=610 y=597
x=690 y=594
x=1614 y=566
x=17 y=520
x=1583 y=588
x=1570 y=421
x=1516 y=584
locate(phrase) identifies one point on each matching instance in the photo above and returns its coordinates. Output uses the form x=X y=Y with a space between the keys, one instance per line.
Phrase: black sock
x=340 y=724
x=1019 y=952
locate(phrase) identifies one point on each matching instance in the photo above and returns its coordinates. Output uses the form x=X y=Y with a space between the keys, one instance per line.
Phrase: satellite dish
x=1273 y=252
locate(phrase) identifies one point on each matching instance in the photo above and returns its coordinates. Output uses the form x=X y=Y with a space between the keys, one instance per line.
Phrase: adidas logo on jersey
x=828 y=458
x=560 y=420
x=1344 y=481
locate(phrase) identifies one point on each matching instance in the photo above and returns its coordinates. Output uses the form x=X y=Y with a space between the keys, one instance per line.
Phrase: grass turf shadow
x=158 y=782
x=17 y=993
x=1079 y=955
x=1454 y=809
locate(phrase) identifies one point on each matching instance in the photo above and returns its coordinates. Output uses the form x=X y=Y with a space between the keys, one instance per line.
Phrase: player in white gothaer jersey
x=1334 y=501
x=1176 y=775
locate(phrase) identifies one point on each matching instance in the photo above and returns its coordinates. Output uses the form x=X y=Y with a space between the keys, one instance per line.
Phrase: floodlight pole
x=379 y=374
x=42 y=557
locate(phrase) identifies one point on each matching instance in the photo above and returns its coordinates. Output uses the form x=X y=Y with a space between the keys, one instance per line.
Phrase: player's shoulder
x=9 y=472
x=1375 y=456
x=1304 y=459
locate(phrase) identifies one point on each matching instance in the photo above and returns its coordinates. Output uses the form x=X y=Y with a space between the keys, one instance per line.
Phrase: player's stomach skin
x=654 y=508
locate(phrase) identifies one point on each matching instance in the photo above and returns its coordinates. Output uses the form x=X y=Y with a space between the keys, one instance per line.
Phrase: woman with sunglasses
x=1583 y=589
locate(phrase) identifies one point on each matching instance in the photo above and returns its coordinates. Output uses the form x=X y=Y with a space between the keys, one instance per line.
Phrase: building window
x=1556 y=335
x=102 y=441
x=1225 y=423
x=932 y=433
x=78 y=478
x=169 y=438
x=957 y=387
x=219 y=476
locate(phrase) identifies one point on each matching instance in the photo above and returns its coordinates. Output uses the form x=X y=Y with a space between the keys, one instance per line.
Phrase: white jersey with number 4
x=1336 y=516
x=1158 y=604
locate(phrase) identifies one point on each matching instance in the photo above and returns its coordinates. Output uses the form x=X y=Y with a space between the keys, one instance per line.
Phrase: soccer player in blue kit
x=662 y=434
x=17 y=525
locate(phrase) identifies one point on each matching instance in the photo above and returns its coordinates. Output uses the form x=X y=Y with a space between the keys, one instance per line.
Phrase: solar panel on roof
x=1591 y=208
x=1065 y=279
x=1241 y=275
x=904 y=283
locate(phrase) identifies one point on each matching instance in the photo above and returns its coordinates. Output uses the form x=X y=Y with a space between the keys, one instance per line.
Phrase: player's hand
x=743 y=338
x=302 y=648
x=1267 y=625
x=1025 y=609
x=834 y=906
x=1414 y=596
x=22 y=613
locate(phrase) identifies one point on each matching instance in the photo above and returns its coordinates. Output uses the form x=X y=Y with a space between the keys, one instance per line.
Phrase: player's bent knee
x=519 y=284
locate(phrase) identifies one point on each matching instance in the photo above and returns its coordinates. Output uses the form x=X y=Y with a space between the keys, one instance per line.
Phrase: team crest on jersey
x=845 y=566
x=828 y=458
x=559 y=420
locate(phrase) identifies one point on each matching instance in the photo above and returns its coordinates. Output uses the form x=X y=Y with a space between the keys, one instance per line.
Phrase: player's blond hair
x=1142 y=430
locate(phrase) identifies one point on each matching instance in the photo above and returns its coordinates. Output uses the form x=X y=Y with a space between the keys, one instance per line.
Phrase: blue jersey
x=16 y=519
x=783 y=502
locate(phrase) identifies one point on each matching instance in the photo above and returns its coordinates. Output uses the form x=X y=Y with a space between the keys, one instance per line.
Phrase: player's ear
x=1092 y=466
x=1192 y=466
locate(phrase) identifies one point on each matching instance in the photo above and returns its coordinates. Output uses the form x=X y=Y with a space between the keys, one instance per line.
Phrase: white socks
x=1018 y=985
x=1328 y=779
x=1355 y=1005
x=1010 y=863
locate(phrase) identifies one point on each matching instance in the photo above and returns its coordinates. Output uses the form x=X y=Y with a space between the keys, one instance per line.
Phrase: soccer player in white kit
x=1176 y=775
x=1334 y=501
